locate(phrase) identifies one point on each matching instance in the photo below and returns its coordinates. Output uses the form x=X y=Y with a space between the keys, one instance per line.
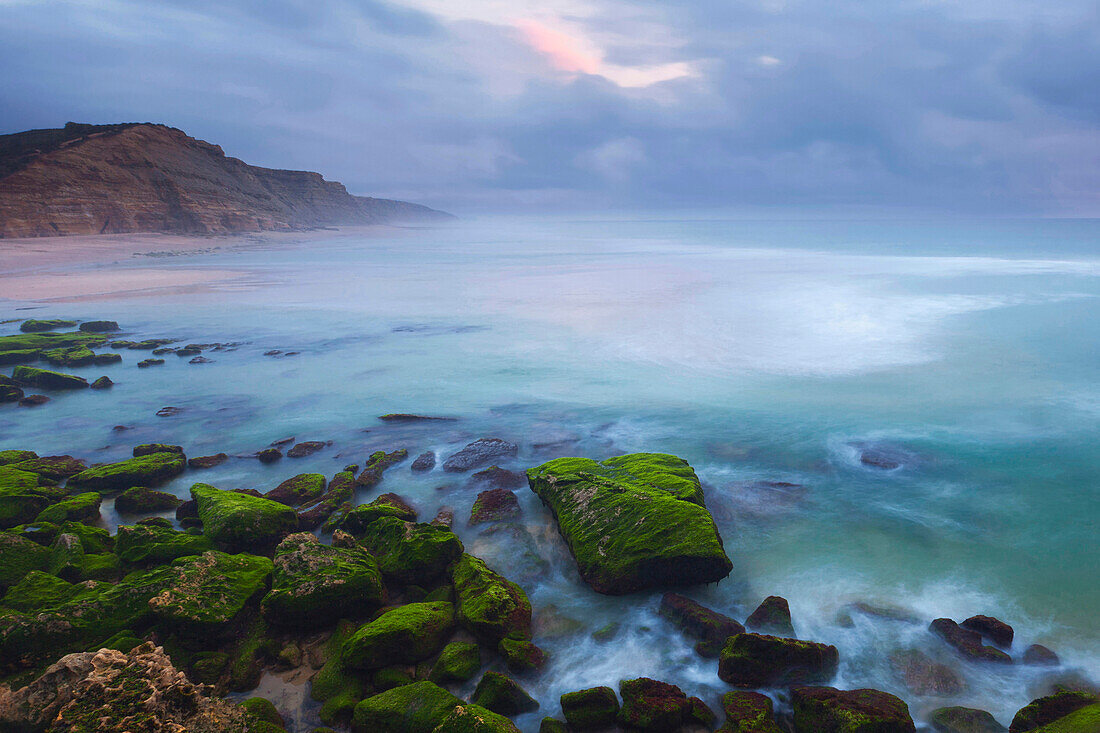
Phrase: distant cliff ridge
x=141 y=177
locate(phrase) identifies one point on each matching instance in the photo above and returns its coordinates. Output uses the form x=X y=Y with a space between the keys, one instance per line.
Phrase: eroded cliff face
x=109 y=179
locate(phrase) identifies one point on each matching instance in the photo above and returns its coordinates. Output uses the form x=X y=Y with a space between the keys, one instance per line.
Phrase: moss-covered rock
x=829 y=710
x=593 y=709
x=650 y=705
x=1046 y=710
x=964 y=720
x=315 y=584
x=489 y=605
x=78 y=508
x=35 y=325
x=208 y=667
x=36 y=590
x=43 y=341
x=151 y=470
x=411 y=553
x=552 y=725
x=20 y=356
x=76 y=356
x=51 y=468
x=501 y=694
x=241 y=522
x=22 y=497
x=46 y=379
x=103 y=382
x=459 y=661
x=402 y=635
x=209 y=591
x=104 y=566
x=19 y=556
x=253 y=649
x=748 y=712
x=633 y=522
x=145 y=544
x=201 y=462
x=99 y=326
x=124 y=641
x=520 y=654
x=66 y=557
x=10 y=456
x=298 y=490
x=417 y=708
x=143 y=500
x=340 y=491
x=95 y=540
x=263 y=709
x=339 y=688
x=772 y=616
x=148 y=449
x=386 y=505
x=475 y=719
x=758 y=660
x=376 y=465
x=709 y=627
x=1084 y=720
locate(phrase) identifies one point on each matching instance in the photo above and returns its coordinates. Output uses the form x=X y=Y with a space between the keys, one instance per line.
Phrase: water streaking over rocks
x=890 y=425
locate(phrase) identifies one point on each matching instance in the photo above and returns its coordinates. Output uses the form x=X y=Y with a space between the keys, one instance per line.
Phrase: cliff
x=140 y=177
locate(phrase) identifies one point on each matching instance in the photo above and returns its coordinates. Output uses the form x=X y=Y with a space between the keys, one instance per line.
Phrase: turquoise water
x=759 y=351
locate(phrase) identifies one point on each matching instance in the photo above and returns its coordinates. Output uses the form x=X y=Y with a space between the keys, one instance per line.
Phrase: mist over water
x=758 y=351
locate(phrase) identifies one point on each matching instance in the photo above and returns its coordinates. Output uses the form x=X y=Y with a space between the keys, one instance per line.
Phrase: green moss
x=376 y=464
x=18 y=356
x=239 y=521
x=21 y=497
x=66 y=557
x=591 y=709
x=1085 y=720
x=16 y=456
x=411 y=553
x=34 y=325
x=388 y=678
x=245 y=664
x=300 y=489
x=830 y=710
x=475 y=719
x=402 y=635
x=489 y=605
x=387 y=505
x=209 y=591
x=633 y=522
x=148 y=545
x=208 y=667
x=105 y=566
x=44 y=341
x=1046 y=710
x=758 y=660
x=75 y=356
x=501 y=694
x=340 y=491
x=142 y=500
x=748 y=712
x=19 y=556
x=96 y=540
x=521 y=655
x=38 y=590
x=339 y=688
x=458 y=662
x=123 y=641
x=46 y=379
x=416 y=708
x=314 y=584
x=51 y=468
x=150 y=470
x=78 y=508
x=552 y=725
x=263 y=709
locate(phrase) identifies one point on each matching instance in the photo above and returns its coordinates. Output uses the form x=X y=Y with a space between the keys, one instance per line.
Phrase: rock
x=150 y=470
x=883 y=458
x=142 y=500
x=76 y=356
x=403 y=635
x=411 y=553
x=306 y=448
x=1084 y=720
x=208 y=592
x=479 y=453
x=633 y=522
x=98 y=326
x=262 y=709
x=169 y=411
x=552 y=725
x=489 y=605
x=710 y=628
x=9 y=393
x=1046 y=710
x=52 y=468
x=22 y=497
x=401 y=417
x=748 y=712
x=242 y=522
x=201 y=360
x=32 y=325
x=145 y=544
x=520 y=655
x=772 y=616
x=18 y=356
x=298 y=490
x=499 y=478
x=424 y=462
x=964 y=720
x=8 y=457
x=459 y=661
x=756 y=660
x=475 y=719
x=316 y=584
x=445 y=517
x=147 y=449
x=1039 y=655
x=967 y=643
x=885 y=613
x=45 y=379
x=340 y=491
x=77 y=508
x=102 y=383
x=105 y=359
x=494 y=505
x=650 y=705
x=377 y=463
x=146 y=363
x=923 y=676
x=207 y=461
x=34 y=400
x=19 y=556
x=593 y=709
x=386 y=505
x=991 y=628
x=849 y=711
x=269 y=455
x=417 y=708
x=500 y=693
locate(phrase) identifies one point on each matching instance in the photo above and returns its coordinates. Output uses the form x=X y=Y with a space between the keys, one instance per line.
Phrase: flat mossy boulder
x=411 y=553
x=37 y=590
x=148 y=470
x=75 y=356
x=52 y=468
x=758 y=660
x=144 y=544
x=710 y=628
x=19 y=556
x=386 y=505
x=22 y=497
x=633 y=522
x=475 y=719
x=964 y=720
x=17 y=356
x=298 y=490
x=829 y=710
x=403 y=635
x=1084 y=720
x=66 y=557
x=7 y=457
x=46 y=379
x=45 y=341
x=595 y=708
x=501 y=694
x=651 y=705
x=143 y=500
x=78 y=508
x=1046 y=710
x=99 y=326
x=748 y=712
x=417 y=708
x=459 y=661
x=208 y=592
x=148 y=449
x=34 y=325
x=242 y=522
x=489 y=605
x=315 y=584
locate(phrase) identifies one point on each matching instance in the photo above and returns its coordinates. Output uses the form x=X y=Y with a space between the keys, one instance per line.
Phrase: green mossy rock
x=75 y=356
x=633 y=522
x=500 y=694
x=8 y=457
x=650 y=705
x=1085 y=720
x=246 y=661
x=96 y=540
x=51 y=468
x=709 y=627
x=145 y=544
x=593 y=709
x=46 y=379
x=21 y=497
x=98 y=326
x=18 y=356
x=78 y=508
x=1046 y=710
x=964 y=720
x=104 y=566
x=19 y=556
x=315 y=584
x=551 y=725
x=340 y=491
x=748 y=712
x=143 y=500
x=459 y=661
x=208 y=667
x=66 y=557
x=33 y=325
x=772 y=616
x=475 y=719
x=521 y=655
x=37 y=590
x=411 y=553
x=209 y=591
x=148 y=449
x=829 y=710
x=298 y=490
x=386 y=505
x=123 y=641
x=376 y=464
x=44 y=341
x=417 y=708
x=150 y=470
x=403 y=635
x=242 y=522
x=339 y=688
x=263 y=709
x=758 y=660
x=388 y=678
x=489 y=605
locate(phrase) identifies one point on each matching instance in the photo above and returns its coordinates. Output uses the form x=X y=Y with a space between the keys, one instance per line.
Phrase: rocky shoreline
x=389 y=616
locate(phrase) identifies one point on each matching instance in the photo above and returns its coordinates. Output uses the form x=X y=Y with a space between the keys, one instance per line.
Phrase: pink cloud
x=562 y=50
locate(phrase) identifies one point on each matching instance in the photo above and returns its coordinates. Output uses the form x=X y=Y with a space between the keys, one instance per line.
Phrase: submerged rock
x=52 y=468
x=1039 y=655
x=964 y=720
x=33 y=325
x=269 y=455
x=8 y=393
x=207 y=461
x=991 y=628
x=98 y=326
x=757 y=660
x=402 y=417
x=924 y=676
x=711 y=628
x=849 y=711
x=494 y=505
x=772 y=616
x=633 y=522
x=45 y=379
x=306 y=448
x=146 y=449
x=424 y=462
x=102 y=383
x=479 y=453
x=593 y=709
x=34 y=400
x=967 y=643
x=748 y=712
x=499 y=478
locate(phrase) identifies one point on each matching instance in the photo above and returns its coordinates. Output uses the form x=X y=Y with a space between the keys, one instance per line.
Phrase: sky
x=980 y=107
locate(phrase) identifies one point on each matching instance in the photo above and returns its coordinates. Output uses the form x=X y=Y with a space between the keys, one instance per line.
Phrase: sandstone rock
x=991 y=628
x=772 y=616
x=711 y=628
x=479 y=453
